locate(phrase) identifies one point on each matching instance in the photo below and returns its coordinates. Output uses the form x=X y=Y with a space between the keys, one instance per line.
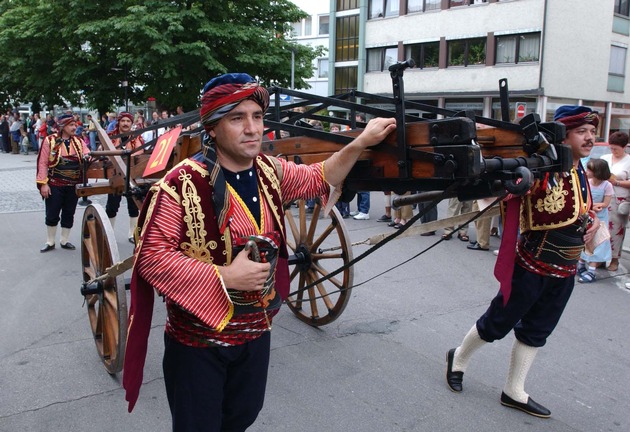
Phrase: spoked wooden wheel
x=106 y=299
x=319 y=246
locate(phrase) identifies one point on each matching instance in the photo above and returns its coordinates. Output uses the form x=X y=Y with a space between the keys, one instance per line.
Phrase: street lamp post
x=125 y=84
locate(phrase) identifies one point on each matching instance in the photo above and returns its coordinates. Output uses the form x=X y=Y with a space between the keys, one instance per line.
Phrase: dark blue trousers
x=217 y=389
x=62 y=200
x=113 y=204
x=533 y=310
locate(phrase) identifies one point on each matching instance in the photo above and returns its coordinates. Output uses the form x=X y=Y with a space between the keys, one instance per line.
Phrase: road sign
x=521 y=107
x=285 y=98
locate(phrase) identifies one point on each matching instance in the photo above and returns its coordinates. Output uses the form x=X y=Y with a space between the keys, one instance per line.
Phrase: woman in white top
x=619 y=163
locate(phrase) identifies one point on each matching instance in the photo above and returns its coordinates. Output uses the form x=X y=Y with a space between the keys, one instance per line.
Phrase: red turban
x=125 y=114
x=223 y=93
x=64 y=120
x=573 y=116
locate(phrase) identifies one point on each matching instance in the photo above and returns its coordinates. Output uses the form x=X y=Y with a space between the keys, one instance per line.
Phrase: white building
x=314 y=31
x=552 y=52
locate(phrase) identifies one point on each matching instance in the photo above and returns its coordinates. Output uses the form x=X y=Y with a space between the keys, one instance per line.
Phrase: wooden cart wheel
x=106 y=300
x=319 y=246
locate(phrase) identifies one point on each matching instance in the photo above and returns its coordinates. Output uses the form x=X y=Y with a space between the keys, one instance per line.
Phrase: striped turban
x=64 y=120
x=125 y=114
x=573 y=116
x=223 y=93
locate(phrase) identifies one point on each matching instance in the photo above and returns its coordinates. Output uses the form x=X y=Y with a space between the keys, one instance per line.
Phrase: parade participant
x=537 y=285
x=220 y=303
x=59 y=170
x=123 y=126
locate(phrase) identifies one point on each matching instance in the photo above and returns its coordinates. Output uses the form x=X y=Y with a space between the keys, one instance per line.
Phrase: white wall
x=577 y=50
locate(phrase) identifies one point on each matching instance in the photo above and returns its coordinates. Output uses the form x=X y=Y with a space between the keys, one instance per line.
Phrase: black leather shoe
x=475 y=246
x=131 y=240
x=68 y=246
x=531 y=407
x=47 y=248
x=453 y=379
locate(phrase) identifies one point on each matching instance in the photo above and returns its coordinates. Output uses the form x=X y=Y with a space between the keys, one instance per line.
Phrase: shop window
x=379 y=59
x=426 y=55
x=467 y=52
x=519 y=48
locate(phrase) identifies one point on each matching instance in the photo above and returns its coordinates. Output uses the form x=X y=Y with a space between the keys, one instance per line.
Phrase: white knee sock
x=133 y=221
x=112 y=221
x=522 y=358
x=471 y=343
x=51 y=234
x=65 y=234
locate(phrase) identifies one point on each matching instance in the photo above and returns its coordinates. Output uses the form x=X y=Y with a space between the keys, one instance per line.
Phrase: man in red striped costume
x=220 y=303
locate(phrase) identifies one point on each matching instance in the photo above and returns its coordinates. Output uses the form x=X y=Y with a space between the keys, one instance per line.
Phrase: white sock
x=65 y=234
x=522 y=358
x=133 y=221
x=471 y=343
x=112 y=221
x=51 y=234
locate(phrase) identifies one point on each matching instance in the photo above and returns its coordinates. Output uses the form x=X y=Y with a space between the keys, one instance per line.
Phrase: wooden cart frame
x=449 y=154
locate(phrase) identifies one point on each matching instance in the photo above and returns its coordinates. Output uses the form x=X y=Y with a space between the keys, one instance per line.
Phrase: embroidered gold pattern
x=194 y=220
x=555 y=199
x=269 y=173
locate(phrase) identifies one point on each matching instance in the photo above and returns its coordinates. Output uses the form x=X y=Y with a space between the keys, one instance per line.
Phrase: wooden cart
x=452 y=153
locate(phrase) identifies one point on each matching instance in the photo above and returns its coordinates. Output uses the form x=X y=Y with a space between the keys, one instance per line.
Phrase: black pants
x=113 y=204
x=430 y=216
x=535 y=306
x=218 y=389
x=62 y=199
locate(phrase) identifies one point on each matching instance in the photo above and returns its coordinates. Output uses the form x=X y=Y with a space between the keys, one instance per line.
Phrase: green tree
x=165 y=49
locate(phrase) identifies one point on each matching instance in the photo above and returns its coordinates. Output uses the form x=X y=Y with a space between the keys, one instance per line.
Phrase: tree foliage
x=65 y=51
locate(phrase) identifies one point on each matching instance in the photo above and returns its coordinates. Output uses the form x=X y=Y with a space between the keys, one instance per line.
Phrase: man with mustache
x=537 y=277
x=221 y=303
x=125 y=142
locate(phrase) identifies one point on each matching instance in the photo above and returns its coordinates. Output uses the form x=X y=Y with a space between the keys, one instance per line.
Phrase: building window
x=296 y=29
x=345 y=79
x=426 y=55
x=347 y=44
x=617 y=69
x=324 y=21
x=343 y=5
x=466 y=52
x=617 y=61
x=379 y=59
x=322 y=68
x=423 y=5
x=383 y=8
x=519 y=48
x=308 y=26
x=621 y=7
x=454 y=3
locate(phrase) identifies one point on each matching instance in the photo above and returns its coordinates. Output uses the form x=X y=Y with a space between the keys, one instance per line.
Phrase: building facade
x=314 y=31
x=551 y=53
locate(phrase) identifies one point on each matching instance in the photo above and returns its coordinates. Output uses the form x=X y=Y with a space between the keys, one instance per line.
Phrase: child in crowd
x=598 y=173
x=25 y=143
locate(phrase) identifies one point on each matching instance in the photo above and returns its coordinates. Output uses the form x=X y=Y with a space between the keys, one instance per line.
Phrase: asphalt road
x=379 y=367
